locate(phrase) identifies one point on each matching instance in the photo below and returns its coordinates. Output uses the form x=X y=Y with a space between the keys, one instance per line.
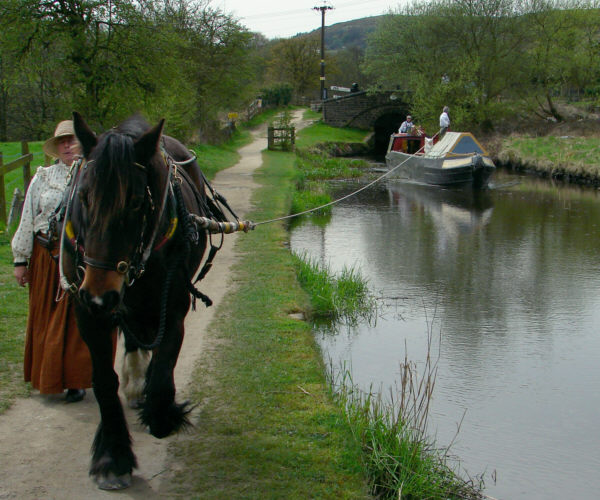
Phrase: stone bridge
x=381 y=112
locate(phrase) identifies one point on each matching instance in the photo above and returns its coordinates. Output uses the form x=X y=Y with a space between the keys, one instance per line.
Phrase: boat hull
x=472 y=170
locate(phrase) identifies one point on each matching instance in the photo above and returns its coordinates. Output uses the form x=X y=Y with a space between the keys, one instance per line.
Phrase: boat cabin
x=453 y=144
x=407 y=143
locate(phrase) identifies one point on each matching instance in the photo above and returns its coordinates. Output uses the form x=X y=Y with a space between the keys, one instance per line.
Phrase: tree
x=468 y=44
x=109 y=58
x=346 y=67
x=482 y=57
x=296 y=61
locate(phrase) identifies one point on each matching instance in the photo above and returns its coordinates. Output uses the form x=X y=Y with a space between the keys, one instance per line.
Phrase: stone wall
x=361 y=110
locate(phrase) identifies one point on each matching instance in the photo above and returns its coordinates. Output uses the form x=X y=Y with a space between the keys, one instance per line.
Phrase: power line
x=294 y=12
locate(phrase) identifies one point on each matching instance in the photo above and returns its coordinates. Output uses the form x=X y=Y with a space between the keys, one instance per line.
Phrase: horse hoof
x=112 y=482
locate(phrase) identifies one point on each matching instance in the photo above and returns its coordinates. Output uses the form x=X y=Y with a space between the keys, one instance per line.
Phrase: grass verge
x=568 y=157
x=268 y=427
x=13 y=319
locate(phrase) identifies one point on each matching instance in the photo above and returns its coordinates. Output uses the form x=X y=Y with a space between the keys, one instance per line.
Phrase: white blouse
x=43 y=196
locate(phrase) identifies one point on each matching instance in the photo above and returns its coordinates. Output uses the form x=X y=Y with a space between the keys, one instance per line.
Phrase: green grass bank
x=570 y=158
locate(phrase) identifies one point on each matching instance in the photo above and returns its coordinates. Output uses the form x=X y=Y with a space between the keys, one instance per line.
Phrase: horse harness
x=172 y=200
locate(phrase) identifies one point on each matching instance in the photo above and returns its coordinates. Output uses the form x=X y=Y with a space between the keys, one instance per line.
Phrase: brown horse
x=129 y=250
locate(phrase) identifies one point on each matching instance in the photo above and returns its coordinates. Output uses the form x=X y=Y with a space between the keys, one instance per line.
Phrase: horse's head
x=122 y=178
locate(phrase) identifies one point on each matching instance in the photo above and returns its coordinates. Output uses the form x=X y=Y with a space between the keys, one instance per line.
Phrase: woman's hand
x=21 y=275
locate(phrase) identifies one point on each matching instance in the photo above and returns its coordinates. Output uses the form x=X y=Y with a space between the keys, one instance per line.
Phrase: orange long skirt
x=56 y=358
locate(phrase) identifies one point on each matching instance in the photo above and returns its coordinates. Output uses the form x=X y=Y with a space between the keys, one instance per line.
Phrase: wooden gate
x=281 y=138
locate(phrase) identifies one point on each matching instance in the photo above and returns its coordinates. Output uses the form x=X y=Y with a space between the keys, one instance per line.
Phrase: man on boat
x=444 y=122
x=407 y=126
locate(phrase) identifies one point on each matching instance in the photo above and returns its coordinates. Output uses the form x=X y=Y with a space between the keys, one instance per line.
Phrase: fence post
x=271 y=138
x=26 y=167
x=2 y=196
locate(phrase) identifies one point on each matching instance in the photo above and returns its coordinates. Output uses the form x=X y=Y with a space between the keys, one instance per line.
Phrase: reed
x=345 y=297
x=400 y=460
x=310 y=199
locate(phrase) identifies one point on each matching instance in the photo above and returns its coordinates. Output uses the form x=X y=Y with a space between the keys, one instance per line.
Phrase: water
x=507 y=284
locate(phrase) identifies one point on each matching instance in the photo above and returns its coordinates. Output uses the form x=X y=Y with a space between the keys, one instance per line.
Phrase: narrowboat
x=457 y=159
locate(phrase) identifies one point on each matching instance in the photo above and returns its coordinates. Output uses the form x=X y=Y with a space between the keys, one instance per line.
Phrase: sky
x=286 y=18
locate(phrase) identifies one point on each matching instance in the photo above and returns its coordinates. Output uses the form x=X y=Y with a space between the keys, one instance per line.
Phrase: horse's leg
x=133 y=370
x=112 y=457
x=159 y=411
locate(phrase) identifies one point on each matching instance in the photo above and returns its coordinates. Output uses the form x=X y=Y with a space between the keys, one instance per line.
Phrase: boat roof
x=456 y=143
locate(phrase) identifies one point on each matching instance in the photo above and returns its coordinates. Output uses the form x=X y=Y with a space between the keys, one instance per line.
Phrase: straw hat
x=63 y=129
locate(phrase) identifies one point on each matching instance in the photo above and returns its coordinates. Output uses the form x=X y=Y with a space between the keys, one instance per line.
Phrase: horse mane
x=134 y=126
x=112 y=171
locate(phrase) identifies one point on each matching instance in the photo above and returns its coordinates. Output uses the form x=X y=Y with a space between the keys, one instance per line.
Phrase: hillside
x=348 y=34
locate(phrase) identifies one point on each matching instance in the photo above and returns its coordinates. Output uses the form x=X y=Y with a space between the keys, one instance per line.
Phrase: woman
x=56 y=358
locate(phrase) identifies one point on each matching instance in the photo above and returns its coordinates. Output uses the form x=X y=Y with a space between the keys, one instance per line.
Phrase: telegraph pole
x=323 y=9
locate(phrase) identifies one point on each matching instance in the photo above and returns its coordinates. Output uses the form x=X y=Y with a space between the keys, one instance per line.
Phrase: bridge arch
x=382 y=112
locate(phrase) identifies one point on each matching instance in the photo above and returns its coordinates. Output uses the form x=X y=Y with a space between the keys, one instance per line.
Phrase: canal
x=507 y=284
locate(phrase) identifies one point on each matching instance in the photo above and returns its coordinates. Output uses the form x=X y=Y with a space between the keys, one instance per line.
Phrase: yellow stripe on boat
x=457 y=162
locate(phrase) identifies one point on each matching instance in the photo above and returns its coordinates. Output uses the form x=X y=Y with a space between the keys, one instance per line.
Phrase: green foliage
x=277 y=95
x=400 y=460
x=344 y=67
x=109 y=58
x=474 y=56
x=319 y=166
x=554 y=156
x=320 y=133
x=295 y=61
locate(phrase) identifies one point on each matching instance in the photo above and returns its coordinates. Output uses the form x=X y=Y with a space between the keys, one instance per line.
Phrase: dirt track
x=45 y=443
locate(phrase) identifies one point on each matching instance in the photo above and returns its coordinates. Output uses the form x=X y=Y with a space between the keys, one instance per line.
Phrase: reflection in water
x=453 y=212
x=510 y=279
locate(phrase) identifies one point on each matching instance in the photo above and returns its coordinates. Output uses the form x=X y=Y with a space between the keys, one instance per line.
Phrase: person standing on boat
x=444 y=122
x=407 y=126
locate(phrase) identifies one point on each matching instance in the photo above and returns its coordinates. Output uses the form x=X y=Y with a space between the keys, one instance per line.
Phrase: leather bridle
x=135 y=267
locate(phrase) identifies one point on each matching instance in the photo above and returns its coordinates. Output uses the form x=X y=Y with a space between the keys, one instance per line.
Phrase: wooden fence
x=24 y=162
x=254 y=108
